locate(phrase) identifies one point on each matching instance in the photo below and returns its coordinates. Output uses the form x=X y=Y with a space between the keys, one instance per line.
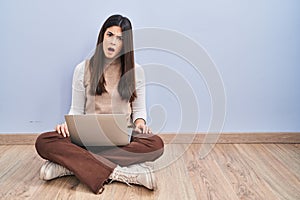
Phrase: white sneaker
x=140 y=174
x=51 y=170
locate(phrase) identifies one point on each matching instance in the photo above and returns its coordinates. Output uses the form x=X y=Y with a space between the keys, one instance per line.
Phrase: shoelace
x=126 y=179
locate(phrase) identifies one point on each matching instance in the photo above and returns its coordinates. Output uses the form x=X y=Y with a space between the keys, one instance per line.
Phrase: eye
x=120 y=38
x=109 y=34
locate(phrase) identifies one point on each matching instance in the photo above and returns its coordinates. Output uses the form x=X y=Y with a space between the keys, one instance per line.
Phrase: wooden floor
x=230 y=171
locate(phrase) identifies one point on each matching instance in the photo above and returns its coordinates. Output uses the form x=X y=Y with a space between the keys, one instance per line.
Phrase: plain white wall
x=254 y=44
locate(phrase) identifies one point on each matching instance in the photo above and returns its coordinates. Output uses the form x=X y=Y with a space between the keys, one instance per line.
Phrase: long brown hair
x=126 y=86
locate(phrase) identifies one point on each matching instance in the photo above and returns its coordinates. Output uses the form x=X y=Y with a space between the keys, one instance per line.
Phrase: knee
x=158 y=144
x=42 y=143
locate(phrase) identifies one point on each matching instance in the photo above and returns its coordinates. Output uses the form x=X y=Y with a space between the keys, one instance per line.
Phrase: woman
x=107 y=83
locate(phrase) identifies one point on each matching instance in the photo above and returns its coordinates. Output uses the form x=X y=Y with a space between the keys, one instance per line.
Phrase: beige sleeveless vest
x=109 y=102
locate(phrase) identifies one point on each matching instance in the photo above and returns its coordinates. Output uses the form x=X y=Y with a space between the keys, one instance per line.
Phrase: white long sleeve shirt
x=79 y=93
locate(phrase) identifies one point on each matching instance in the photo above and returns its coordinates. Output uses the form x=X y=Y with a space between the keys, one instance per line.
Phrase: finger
x=58 y=129
x=67 y=131
x=63 y=131
x=142 y=129
x=145 y=129
x=137 y=130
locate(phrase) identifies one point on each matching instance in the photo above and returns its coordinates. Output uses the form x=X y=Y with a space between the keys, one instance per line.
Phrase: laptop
x=99 y=129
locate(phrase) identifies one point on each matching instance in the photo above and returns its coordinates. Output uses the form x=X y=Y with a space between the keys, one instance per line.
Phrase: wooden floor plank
x=198 y=179
x=283 y=155
x=246 y=183
x=292 y=150
x=4 y=148
x=283 y=183
x=60 y=188
x=21 y=179
x=208 y=179
x=172 y=176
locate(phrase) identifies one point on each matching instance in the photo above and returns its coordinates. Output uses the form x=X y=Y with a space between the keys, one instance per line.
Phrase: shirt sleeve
x=139 y=104
x=78 y=91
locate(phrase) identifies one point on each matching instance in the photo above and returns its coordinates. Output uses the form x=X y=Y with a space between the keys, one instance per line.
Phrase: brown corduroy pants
x=93 y=165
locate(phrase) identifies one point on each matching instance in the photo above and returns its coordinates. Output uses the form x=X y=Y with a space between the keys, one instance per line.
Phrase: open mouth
x=111 y=49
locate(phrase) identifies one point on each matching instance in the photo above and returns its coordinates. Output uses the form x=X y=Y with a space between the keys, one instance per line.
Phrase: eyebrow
x=114 y=34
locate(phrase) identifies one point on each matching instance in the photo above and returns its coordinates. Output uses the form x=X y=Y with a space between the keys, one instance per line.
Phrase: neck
x=112 y=61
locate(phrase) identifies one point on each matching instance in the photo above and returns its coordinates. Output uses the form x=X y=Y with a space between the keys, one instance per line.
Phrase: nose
x=113 y=40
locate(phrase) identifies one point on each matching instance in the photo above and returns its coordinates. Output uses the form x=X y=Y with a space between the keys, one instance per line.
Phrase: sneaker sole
x=152 y=176
x=49 y=174
x=43 y=169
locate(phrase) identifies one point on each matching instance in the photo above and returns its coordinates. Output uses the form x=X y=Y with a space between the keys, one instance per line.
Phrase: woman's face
x=112 y=41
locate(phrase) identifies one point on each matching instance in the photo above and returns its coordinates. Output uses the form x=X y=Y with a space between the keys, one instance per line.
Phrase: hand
x=62 y=129
x=141 y=127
